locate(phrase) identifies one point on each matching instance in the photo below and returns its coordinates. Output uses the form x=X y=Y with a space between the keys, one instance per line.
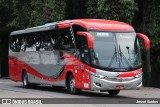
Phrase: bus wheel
x=113 y=92
x=71 y=86
x=26 y=84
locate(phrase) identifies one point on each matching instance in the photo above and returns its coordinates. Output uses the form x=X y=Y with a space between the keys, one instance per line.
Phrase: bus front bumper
x=115 y=84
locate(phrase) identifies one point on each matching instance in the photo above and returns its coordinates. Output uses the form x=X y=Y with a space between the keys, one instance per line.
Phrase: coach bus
x=80 y=54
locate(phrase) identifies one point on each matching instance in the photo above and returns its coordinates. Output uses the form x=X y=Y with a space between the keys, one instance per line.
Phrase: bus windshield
x=115 y=49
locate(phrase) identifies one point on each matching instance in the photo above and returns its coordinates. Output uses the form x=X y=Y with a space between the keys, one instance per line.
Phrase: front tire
x=71 y=86
x=113 y=92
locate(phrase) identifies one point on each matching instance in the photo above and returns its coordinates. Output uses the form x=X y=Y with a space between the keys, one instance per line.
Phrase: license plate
x=120 y=87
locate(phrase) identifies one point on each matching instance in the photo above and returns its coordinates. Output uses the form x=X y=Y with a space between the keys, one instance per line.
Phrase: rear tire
x=26 y=84
x=113 y=92
x=71 y=86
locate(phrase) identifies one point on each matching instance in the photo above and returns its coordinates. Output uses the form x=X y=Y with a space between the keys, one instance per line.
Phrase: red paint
x=16 y=74
x=146 y=40
x=97 y=24
x=119 y=87
x=130 y=74
x=89 y=38
x=65 y=25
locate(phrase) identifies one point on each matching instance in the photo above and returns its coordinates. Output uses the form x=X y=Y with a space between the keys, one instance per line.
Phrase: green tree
x=5 y=11
x=46 y=11
x=122 y=10
x=150 y=26
x=21 y=14
x=75 y=9
x=36 y=12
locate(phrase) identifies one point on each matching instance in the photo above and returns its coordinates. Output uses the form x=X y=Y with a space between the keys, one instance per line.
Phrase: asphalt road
x=11 y=89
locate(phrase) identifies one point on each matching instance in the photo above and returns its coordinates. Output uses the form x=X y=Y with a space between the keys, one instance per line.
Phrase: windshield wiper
x=122 y=56
x=114 y=55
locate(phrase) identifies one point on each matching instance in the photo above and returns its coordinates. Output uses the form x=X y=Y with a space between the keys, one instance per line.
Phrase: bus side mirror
x=146 y=40
x=147 y=46
x=89 y=38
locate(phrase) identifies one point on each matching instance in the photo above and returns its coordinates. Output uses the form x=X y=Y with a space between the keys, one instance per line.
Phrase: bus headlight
x=94 y=74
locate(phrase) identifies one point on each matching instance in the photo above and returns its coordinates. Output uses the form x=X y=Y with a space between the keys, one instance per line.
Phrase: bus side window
x=47 y=41
x=85 y=53
x=78 y=39
x=67 y=41
x=12 y=43
x=15 y=43
x=30 y=42
x=23 y=46
x=82 y=49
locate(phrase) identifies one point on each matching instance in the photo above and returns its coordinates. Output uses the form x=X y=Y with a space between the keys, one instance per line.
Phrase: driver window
x=83 y=50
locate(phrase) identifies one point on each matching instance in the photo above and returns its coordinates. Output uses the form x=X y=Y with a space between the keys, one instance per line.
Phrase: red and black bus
x=82 y=54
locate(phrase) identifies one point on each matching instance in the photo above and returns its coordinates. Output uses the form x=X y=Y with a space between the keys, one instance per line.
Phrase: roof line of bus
x=53 y=25
x=45 y=27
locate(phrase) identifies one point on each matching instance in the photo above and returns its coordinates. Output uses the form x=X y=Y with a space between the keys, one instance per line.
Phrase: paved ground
x=10 y=89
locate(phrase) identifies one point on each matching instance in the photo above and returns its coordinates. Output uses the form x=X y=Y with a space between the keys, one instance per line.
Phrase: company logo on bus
x=109 y=25
x=120 y=79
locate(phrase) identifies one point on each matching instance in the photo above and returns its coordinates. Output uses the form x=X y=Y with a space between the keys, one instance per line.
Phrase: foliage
x=75 y=9
x=36 y=12
x=150 y=26
x=21 y=14
x=5 y=11
x=46 y=11
x=122 y=10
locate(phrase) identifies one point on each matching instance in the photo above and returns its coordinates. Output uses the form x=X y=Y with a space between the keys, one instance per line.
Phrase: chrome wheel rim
x=25 y=80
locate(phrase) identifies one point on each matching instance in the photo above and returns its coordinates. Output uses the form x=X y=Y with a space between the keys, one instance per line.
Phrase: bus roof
x=90 y=24
x=99 y=24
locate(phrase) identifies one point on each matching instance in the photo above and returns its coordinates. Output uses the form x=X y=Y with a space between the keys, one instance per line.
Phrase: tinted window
x=66 y=39
x=43 y=41
x=15 y=43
